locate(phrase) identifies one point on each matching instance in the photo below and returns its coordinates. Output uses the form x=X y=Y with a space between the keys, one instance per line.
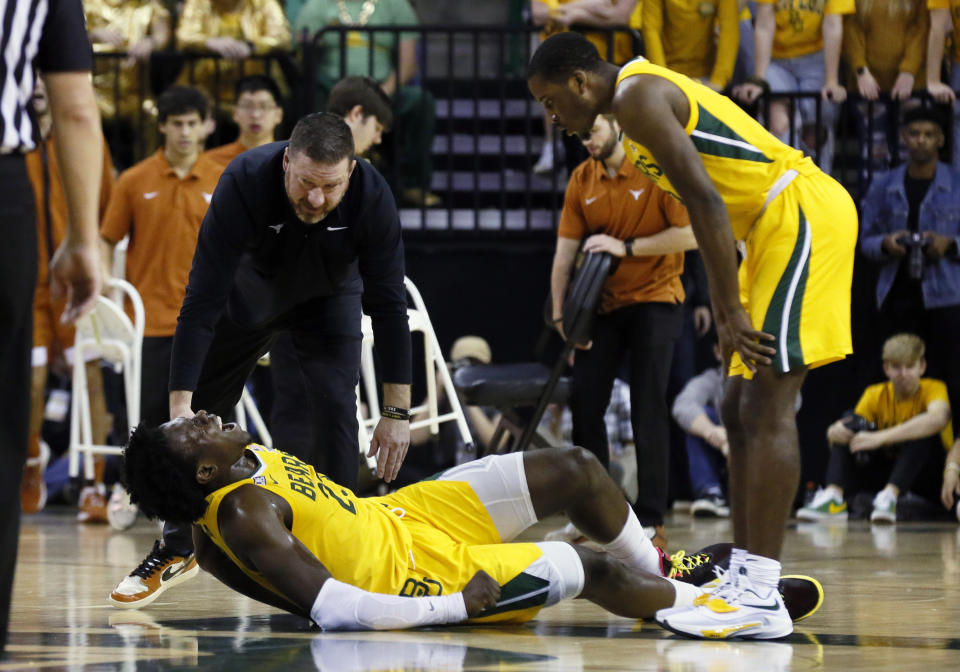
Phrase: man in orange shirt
x=160 y=203
x=640 y=305
x=49 y=332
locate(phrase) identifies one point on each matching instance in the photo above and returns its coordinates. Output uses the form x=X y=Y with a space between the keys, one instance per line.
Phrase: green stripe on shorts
x=783 y=314
x=521 y=592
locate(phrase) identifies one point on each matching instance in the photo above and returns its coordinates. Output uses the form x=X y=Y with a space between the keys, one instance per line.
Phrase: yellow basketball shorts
x=796 y=277
x=458 y=525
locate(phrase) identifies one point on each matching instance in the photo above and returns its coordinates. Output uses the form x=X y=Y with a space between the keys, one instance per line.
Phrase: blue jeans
x=806 y=73
x=706 y=463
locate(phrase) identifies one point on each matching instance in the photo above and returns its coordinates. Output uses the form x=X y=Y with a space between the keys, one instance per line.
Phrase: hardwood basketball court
x=892 y=603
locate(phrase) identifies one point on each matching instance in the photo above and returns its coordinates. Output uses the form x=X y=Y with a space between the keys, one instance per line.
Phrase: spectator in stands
x=559 y=15
x=137 y=28
x=698 y=40
x=697 y=410
x=744 y=66
x=621 y=211
x=902 y=425
x=911 y=228
x=883 y=46
x=943 y=19
x=160 y=203
x=950 y=489
x=235 y=30
x=257 y=112
x=50 y=334
x=797 y=48
x=391 y=59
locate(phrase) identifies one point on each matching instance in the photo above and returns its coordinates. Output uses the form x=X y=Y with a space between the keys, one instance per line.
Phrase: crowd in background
x=895 y=61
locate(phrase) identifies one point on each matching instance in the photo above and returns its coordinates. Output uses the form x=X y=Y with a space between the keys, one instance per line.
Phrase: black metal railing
x=488 y=130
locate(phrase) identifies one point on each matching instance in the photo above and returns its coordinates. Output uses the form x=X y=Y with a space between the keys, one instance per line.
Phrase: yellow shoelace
x=681 y=563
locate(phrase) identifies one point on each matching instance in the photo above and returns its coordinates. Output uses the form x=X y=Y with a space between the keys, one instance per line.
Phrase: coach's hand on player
x=736 y=333
x=481 y=591
x=391 y=439
x=180 y=402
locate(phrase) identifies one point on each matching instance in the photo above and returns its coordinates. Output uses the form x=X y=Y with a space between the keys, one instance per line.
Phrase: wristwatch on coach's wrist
x=628 y=247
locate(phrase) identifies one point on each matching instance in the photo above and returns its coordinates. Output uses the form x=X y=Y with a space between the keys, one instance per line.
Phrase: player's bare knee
x=581 y=470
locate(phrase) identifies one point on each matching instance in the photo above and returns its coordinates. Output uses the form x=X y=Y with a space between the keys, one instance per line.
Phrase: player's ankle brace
x=340 y=606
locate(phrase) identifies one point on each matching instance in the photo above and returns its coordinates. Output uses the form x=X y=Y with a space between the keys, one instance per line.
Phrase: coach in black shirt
x=294 y=237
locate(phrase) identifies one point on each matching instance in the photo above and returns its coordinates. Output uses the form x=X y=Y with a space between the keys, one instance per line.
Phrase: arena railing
x=488 y=130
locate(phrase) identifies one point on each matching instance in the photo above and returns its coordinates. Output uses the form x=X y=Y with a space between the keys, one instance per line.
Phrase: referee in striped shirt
x=50 y=36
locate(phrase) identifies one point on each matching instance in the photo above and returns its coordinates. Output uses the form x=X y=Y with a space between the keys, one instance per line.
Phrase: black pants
x=326 y=338
x=18 y=277
x=292 y=429
x=911 y=465
x=154 y=379
x=648 y=332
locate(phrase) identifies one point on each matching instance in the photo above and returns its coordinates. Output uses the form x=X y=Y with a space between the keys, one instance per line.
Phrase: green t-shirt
x=314 y=15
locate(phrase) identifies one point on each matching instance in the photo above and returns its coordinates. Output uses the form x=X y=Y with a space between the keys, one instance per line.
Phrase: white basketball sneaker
x=737 y=608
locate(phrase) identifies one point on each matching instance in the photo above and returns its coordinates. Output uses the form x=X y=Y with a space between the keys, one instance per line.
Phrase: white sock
x=762 y=571
x=686 y=593
x=633 y=548
x=737 y=556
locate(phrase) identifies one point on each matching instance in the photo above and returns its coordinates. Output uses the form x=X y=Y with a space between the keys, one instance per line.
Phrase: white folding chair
x=108 y=333
x=247 y=407
x=435 y=365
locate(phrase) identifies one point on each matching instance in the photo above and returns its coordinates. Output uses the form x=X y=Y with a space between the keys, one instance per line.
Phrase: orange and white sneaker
x=33 y=490
x=93 y=505
x=160 y=570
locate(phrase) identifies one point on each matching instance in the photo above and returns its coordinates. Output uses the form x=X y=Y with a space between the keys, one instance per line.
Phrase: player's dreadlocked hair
x=556 y=59
x=160 y=481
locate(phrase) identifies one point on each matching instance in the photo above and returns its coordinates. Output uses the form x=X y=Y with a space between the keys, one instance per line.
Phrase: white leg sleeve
x=340 y=606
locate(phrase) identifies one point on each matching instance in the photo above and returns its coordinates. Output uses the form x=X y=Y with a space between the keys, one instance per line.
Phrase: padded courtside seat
x=513 y=389
x=507 y=384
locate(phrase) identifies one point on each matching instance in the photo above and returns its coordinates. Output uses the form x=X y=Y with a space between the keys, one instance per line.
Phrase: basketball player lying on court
x=270 y=527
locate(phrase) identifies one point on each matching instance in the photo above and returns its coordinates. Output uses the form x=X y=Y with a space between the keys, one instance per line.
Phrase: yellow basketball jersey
x=742 y=158
x=428 y=538
x=360 y=542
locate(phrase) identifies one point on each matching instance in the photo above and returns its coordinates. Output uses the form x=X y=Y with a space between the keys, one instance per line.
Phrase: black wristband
x=628 y=247
x=396 y=413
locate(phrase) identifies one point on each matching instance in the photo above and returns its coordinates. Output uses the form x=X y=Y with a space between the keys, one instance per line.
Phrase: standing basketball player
x=788 y=312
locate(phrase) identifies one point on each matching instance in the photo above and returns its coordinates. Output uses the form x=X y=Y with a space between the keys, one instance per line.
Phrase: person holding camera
x=897 y=435
x=911 y=225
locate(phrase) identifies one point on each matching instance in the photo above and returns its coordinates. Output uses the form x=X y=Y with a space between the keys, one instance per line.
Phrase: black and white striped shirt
x=47 y=34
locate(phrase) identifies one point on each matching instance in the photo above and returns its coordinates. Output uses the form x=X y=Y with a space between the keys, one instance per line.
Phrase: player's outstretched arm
x=254 y=524
x=653 y=111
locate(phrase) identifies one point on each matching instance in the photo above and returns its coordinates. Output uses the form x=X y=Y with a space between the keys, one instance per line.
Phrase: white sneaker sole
x=180 y=578
x=816 y=516
x=762 y=630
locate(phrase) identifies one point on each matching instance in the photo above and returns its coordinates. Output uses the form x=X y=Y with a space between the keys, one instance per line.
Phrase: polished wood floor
x=892 y=603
